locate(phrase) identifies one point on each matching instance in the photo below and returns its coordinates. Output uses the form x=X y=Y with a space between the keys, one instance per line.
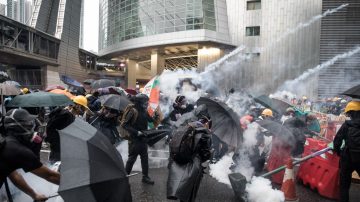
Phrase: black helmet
x=16 y=118
x=140 y=98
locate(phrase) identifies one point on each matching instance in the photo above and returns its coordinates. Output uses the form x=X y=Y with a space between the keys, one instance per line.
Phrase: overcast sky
x=91 y=24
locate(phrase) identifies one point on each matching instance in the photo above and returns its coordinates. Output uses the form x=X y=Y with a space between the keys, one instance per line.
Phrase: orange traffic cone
x=288 y=185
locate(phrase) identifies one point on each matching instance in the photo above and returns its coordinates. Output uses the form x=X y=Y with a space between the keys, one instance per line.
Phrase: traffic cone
x=288 y=185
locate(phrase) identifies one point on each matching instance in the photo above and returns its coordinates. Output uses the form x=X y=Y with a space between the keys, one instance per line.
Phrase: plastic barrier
x=321 y=172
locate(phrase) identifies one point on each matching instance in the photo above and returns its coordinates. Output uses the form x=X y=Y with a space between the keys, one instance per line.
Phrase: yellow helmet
x=267 y=112
x=81 y=100
x=25 y=90
x=304 y=98
x=352 y=106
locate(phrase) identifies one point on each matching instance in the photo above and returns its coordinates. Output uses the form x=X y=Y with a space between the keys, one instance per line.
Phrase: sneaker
x=147 y=180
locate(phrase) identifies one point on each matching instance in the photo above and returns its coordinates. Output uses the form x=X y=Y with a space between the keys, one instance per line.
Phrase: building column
x=208 y=55
x=157 y=63
x=52 y=76
x=131 y=73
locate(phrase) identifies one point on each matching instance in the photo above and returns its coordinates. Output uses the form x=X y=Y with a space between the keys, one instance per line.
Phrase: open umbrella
x=91 y=168
x=353 y=92
x=278 y=130
x=277 y=105
x=102 y=83
x=112 y=90
x=113 y=101
x=62 y=92
x=39 y=99
x=225 y=122
x=88 y=81
x=70 y=81
x=10 y=88
x=152 y=90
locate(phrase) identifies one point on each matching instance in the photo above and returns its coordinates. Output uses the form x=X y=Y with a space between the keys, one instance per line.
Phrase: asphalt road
x=212 y=191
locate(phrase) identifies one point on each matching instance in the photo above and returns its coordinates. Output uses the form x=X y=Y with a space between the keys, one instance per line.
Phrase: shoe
x=147 y=180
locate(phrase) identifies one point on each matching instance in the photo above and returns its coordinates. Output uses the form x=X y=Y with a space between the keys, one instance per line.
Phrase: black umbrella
x=278 y=130
x=102 y=83
x=40 y=99
x=353 y=92
x=225 y=122
x=155 y=135
x=88 y=81
x=113 y=101
x=277 y=105
x=91 y=168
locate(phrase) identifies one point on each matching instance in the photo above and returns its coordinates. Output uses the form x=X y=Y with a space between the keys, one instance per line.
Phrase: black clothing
x=298 y=129
x=349 y=132
x=181 y=111
x=138 y=148
x=59 y=118
x=107 y=127
x=15 y=155
x=94 y=103
x=184 y=180
x=137 y=145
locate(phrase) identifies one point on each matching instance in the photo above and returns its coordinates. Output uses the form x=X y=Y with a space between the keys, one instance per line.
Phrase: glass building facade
x=122 y=20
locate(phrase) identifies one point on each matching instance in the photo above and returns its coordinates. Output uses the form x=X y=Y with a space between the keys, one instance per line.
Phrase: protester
x=190 y=150
x=350 y=153
x=106 y=121
x=267 y=114
x=16 y=151
x=136 y=122
x=181 y=106
x=94 y=103
x=59 y=118
x=80 y=108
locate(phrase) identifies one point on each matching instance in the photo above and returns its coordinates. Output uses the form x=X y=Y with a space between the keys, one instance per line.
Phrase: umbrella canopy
x=278 y=130
x=117 y=102
x=112 y=90
x=154 y=135
x=88 y=81
x=39 y=99
x=91 y=168
x=131 y=91
x=225 y=122
x=353 y=92
x=70 y=81
x=102 y=83
x=53 y=87
x=10 y=88
x=277 y=105
x=152 y=90
x=63 y=92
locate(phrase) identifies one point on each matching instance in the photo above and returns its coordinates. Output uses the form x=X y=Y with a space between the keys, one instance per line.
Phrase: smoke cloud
x=260 y=190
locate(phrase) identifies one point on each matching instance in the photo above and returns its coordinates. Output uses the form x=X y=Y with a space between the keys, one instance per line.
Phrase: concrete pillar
x=131 y=73
x=208 y=55
x=157 y=63
x=52 y=76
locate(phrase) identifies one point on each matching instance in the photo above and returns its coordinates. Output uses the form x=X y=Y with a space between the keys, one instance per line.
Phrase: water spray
x=293 y=84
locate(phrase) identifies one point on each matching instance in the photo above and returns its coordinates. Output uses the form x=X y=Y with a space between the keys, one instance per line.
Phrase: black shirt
x=15 y=155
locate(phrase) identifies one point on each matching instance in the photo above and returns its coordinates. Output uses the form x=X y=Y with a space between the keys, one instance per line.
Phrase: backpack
x=182 y=144
x=124 y=134
x=354 y=143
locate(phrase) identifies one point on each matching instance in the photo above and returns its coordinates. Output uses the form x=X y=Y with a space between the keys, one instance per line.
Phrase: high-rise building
x=19 y=10
x=150 y=35
x=2 y=9
x=339 y=34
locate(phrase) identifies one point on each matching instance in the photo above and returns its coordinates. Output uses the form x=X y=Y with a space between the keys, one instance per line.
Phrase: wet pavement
x=212 y=191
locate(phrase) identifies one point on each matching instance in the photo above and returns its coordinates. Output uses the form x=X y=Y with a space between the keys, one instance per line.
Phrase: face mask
x=183 y=106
